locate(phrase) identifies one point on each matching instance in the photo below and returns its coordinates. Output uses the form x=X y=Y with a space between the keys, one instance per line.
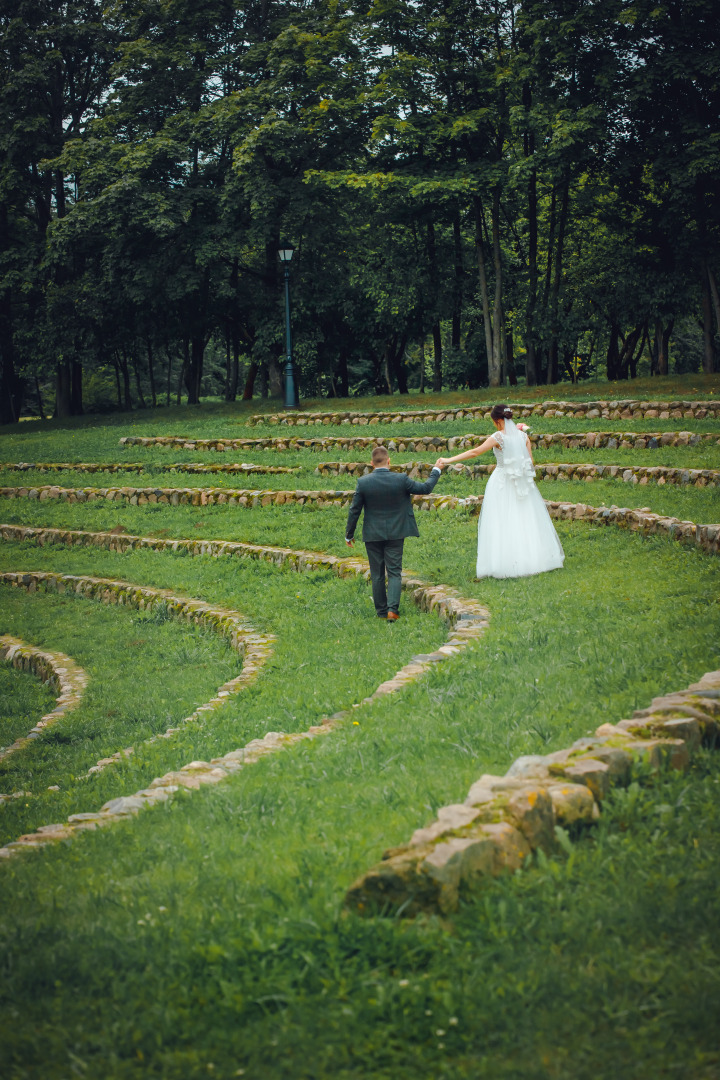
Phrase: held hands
x=441 y=463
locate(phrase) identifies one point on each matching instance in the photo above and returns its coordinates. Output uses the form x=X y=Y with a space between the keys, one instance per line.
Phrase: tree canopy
x=523 y=187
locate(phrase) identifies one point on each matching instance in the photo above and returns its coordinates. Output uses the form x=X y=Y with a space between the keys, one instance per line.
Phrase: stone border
x=505 y=818
x=66 y=678
x=254 y=648
x=250 y=498
x=467 y=620
x=707 y=537
x=641 y=440
x=632 y=474
x=628 y=408
x=139 y=467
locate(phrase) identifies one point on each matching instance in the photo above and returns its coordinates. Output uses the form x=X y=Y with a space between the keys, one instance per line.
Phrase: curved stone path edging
x=505 y=818
x=467 y=620
x=706 y=536
x=628 y=408
x=254 y=648
x=67 y=679
x=638 y=440
x=139 y=467
x=632 y=474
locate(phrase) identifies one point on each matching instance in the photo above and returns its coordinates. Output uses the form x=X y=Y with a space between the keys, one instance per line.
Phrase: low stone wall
x=467 y=620
x=66 y=678
x=253 y=647
x=630 y=474
x=138 y=467
x=588 y=440
x=706 y=537
x=505 y=818
x=629 y=408
x=249 y=498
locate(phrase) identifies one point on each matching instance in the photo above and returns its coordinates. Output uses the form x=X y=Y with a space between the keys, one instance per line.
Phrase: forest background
x=478 y=191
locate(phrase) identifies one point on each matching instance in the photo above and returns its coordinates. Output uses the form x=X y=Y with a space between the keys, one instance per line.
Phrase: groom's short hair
x=379 y=454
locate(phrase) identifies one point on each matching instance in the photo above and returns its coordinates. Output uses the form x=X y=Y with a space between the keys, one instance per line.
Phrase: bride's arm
x=475 y=452
x=529 y=450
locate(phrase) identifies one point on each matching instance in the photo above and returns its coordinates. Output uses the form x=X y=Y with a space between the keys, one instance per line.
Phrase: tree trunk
x=398 y=366
x=38 y=394
x=151 y=372
x=707 y=328
x=275 y=377
x=437 y=337
x=482 y=278
x=10 y=384
x=627 y=353
x=138 y=384
x=125 y=372
x=634 y=357
x=386 y=367
x=422 y=367
x=437 y=358
x=342 y=373
x=510 y=357
x=660 y=351
x=226 y=393
x=714 y=294
x=235 y=374
x=457 y=283
x=76 y=397
x=249 y=387
x=183 y=369
x=531 y=372
x=233 y=341
x=118 y=388
x=552 y=367
x=498 y=321
x=232 y=362
x=63 y=390
x=194 y=371
x=613 y=353
x=168 y=390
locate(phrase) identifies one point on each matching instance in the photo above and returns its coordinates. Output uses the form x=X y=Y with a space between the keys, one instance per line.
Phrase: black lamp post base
x=292 y=399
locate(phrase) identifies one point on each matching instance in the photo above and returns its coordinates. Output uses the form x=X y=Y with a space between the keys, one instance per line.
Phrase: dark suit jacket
x=385 y=498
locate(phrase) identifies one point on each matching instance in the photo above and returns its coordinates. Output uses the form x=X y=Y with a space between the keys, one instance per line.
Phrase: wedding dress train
x=515 y=534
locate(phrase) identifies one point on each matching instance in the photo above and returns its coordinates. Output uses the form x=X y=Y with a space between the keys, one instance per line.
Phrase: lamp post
x=286 y=251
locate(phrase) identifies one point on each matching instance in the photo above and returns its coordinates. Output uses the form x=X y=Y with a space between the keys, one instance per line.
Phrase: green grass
x=703 y=456
x=207 y=936
x=86 y=439
x=23 y=700
x=688 y=503
x=146 y=677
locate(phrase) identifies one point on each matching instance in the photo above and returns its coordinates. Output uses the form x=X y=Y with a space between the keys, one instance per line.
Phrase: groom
x=389 y=518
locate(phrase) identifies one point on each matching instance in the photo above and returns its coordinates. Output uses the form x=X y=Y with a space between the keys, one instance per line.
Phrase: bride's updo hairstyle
x=501 y=412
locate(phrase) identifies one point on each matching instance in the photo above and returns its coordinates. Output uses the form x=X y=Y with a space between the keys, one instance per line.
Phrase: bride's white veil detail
x=516 y=460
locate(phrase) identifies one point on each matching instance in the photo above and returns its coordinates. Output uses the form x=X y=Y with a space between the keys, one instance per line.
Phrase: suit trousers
x=385 y=555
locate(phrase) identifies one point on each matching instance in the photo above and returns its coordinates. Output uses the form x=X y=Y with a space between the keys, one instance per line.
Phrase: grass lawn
x=207 y=937
x=24 y=699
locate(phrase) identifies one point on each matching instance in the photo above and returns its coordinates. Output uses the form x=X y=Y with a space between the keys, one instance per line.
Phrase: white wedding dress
x=515 y=534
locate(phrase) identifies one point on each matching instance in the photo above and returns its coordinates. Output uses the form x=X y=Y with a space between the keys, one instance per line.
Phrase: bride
x=515 y=534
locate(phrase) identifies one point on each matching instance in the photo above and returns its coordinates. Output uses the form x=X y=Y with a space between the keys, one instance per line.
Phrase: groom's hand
x=440 y=463
x=350 y=543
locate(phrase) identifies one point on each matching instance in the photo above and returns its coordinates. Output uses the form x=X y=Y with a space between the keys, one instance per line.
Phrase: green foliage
x=490 y=181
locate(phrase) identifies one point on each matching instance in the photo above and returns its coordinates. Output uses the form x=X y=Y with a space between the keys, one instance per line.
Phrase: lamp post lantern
x=292 y=400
